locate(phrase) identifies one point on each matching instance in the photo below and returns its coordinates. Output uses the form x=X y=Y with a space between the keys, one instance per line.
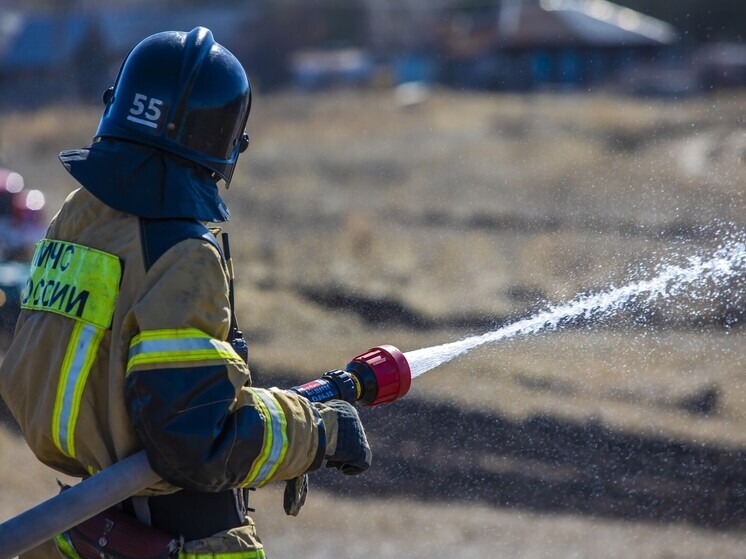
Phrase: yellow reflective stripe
x=262 y=458
x=169 y=333
x=73 y=280
x=66 y=546
x=279 y=437
x=81 y=352
x=253 y=554
x=177 y=346
x=275 y=439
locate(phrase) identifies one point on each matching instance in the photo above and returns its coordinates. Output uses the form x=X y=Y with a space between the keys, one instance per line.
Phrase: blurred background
x=424 y=170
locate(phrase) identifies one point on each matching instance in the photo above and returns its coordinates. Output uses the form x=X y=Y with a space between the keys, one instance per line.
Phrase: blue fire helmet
x=185 y=94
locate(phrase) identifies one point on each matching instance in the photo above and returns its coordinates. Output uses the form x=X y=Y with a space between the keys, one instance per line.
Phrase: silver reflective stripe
x=279 y=436
x=169 y=345
x=83 y=345
x=178 y=345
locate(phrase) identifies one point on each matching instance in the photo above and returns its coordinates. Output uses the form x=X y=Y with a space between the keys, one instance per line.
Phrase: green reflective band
x=275 y=440
x=278 y=442
x=66 y=546
x=81 y=352
x=73 y=280
x=177 y=345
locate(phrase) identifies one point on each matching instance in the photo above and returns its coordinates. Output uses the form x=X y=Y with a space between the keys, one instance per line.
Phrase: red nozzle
x=383 y=373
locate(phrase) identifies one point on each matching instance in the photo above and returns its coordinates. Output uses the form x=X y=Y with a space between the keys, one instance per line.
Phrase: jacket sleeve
x=188 y=393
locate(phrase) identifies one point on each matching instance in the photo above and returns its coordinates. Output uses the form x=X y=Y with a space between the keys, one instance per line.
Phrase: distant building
x=721 y=65
x=530 y=44
x=312 y=69
x=509 y=45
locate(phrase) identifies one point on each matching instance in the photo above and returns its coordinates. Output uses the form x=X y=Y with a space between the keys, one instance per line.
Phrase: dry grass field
x=358 y=222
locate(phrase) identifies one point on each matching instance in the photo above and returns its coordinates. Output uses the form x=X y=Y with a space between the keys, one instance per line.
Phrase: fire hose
x=378 y=376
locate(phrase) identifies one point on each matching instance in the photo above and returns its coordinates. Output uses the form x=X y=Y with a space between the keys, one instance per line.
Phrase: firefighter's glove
x=351 y=454
x=296 y=490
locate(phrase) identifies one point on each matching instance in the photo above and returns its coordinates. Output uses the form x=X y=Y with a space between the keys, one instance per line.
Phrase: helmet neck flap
x=147 y=183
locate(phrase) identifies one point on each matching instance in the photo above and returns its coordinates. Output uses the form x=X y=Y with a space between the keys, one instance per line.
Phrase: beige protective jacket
x=121 y=345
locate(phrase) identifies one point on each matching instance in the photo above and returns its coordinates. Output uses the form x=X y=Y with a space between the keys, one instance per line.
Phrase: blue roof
x=44 y=41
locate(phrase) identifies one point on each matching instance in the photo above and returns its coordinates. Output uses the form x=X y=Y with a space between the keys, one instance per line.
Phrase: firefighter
x=123 y=339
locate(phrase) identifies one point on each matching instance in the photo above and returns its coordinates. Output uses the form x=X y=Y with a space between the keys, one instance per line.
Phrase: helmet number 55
x=147 y=116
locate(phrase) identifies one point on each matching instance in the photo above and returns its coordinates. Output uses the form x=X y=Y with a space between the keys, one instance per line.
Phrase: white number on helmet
x=146 y=116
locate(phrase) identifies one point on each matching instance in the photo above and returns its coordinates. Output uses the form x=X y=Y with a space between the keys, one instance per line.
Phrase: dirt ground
x=358 y=222
x=392 y=526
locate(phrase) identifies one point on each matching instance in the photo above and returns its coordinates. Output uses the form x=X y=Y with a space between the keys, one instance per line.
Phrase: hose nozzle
x=378 y=376
x=383 y=374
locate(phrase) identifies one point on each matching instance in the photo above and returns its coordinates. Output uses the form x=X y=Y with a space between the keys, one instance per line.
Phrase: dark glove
x=352 y=454
x=295 y=494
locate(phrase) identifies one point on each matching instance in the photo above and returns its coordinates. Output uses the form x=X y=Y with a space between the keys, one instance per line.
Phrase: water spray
x=384 y=374
x=727 y=263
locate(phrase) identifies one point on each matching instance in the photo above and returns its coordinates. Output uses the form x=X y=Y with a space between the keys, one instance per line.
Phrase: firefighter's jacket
x=121 y=344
